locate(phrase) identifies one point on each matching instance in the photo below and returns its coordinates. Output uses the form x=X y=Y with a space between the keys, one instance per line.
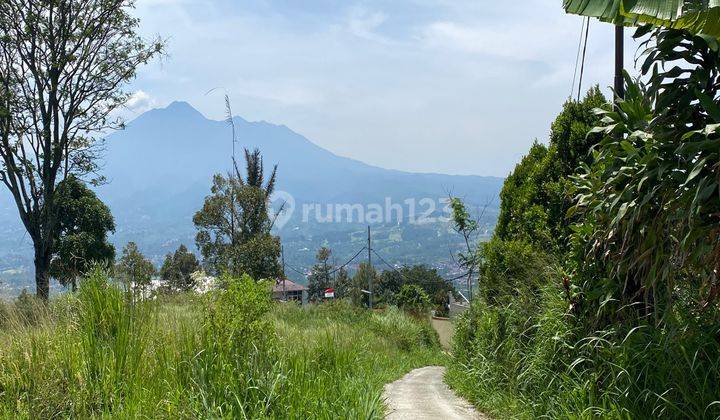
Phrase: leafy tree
x=83 y=223
x=467 y=227
x=234 y=227
x=178 y=268
x=133 y=269
x=342 y=283
x=538 y=193
x=63 y=66
x=319 y=278
x=391 y=281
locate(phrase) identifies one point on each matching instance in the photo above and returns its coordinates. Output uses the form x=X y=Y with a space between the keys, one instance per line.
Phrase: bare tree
x=63 y=68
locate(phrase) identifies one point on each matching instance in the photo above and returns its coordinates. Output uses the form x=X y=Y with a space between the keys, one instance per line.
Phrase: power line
x=296 y=270
x=348 y=262
x=405 y=278
x=335 y=270
x=577 y=58
x=459 y=277
x=392 y=267
x=582 y=64
x=306 y=271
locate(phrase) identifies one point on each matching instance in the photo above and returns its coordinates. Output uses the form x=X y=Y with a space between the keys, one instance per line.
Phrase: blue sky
x=460 y=87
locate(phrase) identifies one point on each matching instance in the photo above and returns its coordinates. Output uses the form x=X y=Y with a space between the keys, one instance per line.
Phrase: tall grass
x=520 y=363
x=232 y=354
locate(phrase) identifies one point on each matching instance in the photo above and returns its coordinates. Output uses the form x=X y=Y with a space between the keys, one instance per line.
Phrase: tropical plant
x=620 y=318
x=234 y=226
x=695 y=16
x=649 y=202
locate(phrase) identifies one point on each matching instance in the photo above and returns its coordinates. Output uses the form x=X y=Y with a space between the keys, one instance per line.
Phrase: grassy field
x=232 y=354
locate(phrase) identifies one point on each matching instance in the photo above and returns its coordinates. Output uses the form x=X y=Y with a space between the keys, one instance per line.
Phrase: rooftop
x=290 y=286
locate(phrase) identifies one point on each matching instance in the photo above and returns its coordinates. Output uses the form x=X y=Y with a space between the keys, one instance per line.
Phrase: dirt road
x=422 y=394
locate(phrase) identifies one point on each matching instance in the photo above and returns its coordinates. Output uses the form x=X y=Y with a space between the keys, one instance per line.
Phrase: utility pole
x=370 y=271
x=282 y=256
x=327 y=275
x=619 y=52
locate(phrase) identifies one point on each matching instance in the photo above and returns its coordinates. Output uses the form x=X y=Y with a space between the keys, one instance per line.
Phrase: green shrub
x=413 y=299
x=514 y=270
x=515 y=364
x=236 y=317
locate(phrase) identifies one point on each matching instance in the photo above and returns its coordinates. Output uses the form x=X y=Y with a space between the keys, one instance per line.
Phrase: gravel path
x=422 y=394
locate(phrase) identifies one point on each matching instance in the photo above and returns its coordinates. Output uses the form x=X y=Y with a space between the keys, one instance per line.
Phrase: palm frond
x=270 y=186
x=701 y=17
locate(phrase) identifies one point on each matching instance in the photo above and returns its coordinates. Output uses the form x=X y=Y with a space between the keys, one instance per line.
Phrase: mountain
x=160 y=169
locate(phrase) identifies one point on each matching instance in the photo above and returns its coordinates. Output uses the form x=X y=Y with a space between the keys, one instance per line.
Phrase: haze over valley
x=160 y=167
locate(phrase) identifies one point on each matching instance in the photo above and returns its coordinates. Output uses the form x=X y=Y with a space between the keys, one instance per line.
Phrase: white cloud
x=363 y=23
x=140 y=102
x=284 y=93
x=517 y=41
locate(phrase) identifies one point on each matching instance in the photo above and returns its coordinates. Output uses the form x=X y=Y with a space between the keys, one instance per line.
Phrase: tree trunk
x=42 y=277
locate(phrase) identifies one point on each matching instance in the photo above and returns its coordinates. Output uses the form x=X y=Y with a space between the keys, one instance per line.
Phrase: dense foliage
x=649 y=203
x=538 y=193
x=177 y=269
x=598 y=292
x=390 y=283
x=412 y=298
x=83 y=223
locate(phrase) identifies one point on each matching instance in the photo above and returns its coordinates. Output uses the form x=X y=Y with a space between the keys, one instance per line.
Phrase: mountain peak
x=181 y=106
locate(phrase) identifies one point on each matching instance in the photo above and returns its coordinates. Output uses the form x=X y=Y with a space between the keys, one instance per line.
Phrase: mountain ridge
x=160 y=169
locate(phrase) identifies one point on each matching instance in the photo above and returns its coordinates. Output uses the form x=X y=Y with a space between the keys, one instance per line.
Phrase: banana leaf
x=700 y=17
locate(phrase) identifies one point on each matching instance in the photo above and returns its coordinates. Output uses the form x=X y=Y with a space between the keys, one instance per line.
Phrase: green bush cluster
x=413 y=299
